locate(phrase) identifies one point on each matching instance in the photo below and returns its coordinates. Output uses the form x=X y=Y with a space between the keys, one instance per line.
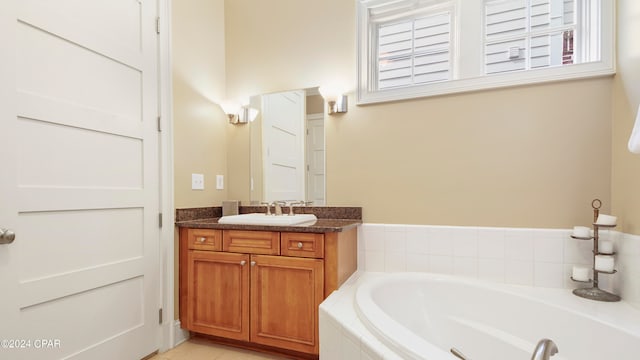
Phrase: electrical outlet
x=197 y=182
x=219 y=182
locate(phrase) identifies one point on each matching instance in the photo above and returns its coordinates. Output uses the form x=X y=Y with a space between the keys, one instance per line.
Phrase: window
x=415 y=48
x=414 y=51
x=528 y=34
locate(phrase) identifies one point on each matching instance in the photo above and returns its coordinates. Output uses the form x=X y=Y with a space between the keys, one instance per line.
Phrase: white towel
x=634 y=140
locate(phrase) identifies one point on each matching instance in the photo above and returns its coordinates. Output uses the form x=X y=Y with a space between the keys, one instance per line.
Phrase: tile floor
x=201 y=349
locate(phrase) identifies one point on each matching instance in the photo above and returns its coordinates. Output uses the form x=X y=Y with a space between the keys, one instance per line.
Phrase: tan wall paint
x=280 y=45
x=626 y=166
x=198 y=83
x=525 y=157
x=532 y=156
x=238 y=180
x=198 y=71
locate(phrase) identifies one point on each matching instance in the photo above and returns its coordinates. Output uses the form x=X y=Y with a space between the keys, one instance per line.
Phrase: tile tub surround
x=533 y=257
x=342 y=334
x=627 y=281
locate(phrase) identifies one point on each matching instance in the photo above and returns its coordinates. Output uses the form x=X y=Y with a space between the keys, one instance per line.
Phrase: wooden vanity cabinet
x=218 y=294
x=285 y=295
x=243 y=290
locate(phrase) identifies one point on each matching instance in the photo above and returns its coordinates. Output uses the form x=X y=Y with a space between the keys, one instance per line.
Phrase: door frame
x=171 y=334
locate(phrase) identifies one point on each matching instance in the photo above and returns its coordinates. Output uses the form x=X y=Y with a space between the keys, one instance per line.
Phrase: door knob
x=6 y=236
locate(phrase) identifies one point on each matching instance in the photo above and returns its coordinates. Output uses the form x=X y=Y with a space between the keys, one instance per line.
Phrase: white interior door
x=283 y=145
x=79 y=184
x=315 y=159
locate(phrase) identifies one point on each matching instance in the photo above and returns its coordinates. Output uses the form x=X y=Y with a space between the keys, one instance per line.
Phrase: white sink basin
x=263 y=219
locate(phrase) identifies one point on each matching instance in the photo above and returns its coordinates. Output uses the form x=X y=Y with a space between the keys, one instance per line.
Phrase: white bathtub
x=423 y=316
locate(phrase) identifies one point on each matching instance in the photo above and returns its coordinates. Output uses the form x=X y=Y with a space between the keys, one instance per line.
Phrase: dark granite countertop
x=320 y=226
x=330 y=219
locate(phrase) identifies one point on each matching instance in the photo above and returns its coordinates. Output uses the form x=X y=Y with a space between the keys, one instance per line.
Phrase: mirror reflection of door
x=315 y=159
x=283 y=146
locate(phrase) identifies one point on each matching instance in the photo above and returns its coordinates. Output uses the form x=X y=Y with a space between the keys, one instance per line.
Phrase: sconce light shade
x=336 y=101
x=338 y=106
x=230 y=107
x=238 y=114
x=246 y=115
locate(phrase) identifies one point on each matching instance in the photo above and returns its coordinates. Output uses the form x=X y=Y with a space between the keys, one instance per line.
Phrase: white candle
x=581 y=231
x=580 y=273
x=604 y=263
x=605 y=247
x=606 y=220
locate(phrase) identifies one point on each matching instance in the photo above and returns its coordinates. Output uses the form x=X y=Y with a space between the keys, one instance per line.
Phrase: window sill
x=520 y=78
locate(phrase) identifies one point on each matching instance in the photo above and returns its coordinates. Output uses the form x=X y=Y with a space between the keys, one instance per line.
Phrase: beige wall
x=280 y=45
x=198 y=83
x=531 y=156
x=626 y=166
x=238 y=180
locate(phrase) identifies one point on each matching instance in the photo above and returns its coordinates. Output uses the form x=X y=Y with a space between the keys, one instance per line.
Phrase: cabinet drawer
x=302 y=245
x=251 y=242
x=205 y=239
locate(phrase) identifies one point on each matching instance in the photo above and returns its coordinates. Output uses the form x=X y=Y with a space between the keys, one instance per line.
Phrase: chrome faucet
x=277 y=207
x=544 y=350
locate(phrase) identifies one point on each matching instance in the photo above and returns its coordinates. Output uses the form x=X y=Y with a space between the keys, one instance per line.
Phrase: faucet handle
x=292 y=204
x=268 y=204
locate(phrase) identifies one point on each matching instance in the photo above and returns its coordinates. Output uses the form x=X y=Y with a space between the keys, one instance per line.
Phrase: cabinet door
x=218 y=294
x=285 y=295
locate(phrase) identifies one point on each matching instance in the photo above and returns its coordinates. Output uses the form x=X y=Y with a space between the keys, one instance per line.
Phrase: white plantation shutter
x=528 y=34
x=413 y=47
x=417 y=48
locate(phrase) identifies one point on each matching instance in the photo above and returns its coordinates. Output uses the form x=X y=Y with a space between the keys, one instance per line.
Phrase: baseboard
x=179 y=335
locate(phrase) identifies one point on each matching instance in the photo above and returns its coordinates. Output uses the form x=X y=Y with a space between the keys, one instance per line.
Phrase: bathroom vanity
x=259 y=286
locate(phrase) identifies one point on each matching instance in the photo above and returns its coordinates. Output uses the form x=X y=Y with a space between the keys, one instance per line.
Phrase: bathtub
x=423 y=316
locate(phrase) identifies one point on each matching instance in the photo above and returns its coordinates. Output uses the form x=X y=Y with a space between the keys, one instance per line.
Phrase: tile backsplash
x=533 y=257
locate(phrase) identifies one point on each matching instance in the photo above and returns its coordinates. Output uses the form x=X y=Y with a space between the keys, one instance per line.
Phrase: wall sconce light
x=238 y=114
x=336 y=101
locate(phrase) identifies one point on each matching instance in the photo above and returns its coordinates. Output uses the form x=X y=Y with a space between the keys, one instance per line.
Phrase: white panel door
x=283 y=145
x=315 y=159
x=79 y=184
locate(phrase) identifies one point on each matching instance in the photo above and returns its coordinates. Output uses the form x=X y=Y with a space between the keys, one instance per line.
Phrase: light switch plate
x=197 y=181
x=219 y=182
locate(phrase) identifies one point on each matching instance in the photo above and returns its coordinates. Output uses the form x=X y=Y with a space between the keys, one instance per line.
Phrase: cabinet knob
x=243 y=263
x=253 y=263
x=300 y=245
x=202 y=239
